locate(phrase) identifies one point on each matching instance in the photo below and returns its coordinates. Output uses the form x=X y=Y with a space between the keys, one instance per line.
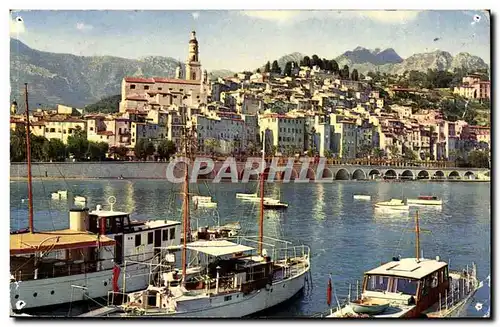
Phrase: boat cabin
x=414 y=284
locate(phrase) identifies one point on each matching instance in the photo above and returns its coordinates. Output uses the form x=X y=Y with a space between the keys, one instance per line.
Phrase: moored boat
x=219 y=278
x=393 y=204
x=411 y=288
x=362 y=197
x=426 y=200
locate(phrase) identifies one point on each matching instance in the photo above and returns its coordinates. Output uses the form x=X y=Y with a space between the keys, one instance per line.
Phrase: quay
x=333 y=169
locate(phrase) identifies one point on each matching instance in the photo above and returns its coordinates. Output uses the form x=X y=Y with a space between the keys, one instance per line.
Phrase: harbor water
x=347 y=236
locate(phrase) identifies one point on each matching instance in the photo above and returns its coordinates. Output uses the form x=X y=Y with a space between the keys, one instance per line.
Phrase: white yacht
x=426 y=200
x=393 y=204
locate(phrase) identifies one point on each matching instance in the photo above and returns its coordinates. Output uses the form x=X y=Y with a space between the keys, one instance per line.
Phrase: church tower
x=193 y=66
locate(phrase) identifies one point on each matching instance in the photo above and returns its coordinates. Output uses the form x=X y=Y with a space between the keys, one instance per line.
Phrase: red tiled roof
x=109 y=133
x=139 y=80
x=136 y=99
x=160 y=80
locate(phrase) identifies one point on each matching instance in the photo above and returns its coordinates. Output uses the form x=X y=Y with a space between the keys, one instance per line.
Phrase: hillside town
x=308 y=111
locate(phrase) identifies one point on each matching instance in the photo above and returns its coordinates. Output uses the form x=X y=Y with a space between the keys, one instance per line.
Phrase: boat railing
x=459 y=292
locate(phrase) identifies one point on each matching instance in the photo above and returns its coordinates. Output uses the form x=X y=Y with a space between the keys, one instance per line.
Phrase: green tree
x=211 y=145
x=166 y=149
x=106 y=105
x=306 y=62
x=54 y=150
x=355 y=75
x=335 y=67
x=121 y=152
x=378 y=153
x=37 y=143
x=18 y=145
x=275 y=68
x=288 y=69
x=93 y=151
x=78 y=144
x=328 y=154
x=143 y=149
x=267 y=67
x=258 y=70
x=478 y=159
x=344 y=74
x=315 y=61
x=409 y=154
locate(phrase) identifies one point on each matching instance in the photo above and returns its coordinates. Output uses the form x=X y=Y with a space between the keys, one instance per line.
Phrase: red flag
x=116 y=275
x=329 y=291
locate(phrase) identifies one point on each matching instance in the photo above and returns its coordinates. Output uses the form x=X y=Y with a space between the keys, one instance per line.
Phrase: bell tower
x=193 y=66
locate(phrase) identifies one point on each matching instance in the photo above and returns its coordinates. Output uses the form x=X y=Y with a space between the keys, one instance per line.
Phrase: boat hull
x=61 y=290
x=241 y=305
x=389 y=207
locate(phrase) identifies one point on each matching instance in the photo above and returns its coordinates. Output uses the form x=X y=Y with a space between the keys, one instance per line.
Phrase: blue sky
x=238 y=40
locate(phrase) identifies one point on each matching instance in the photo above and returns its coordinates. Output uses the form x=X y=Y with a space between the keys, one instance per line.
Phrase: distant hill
x=362 y=55
x=387 y=61
x=76 y=80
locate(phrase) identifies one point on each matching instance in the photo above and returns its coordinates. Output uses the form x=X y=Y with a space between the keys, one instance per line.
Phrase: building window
x=172 y=233
x=91 y=128
x=64 y=131
x=181 y=90
x=132 y=87
x=150 y=238
x=165 y=235
x=146 y=87
x=159 y=89
x=138 y=240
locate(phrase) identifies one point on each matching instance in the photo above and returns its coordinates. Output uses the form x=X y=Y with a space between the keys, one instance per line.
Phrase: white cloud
x=83 y=27
x=195 y=15
x=290 y=16
x=17 y=26
x=390 y=16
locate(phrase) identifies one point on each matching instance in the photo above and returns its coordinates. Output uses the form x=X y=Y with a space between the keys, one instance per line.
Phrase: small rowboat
x=362 y=197
x=394 y=204
x=367 y=307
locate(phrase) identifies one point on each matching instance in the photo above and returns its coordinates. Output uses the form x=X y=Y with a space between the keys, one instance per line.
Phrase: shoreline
x=275 y=181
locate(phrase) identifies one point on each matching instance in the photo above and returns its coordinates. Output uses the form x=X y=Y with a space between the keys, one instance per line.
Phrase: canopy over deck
x=409 y=268
x=65 y=239
x=218 y=248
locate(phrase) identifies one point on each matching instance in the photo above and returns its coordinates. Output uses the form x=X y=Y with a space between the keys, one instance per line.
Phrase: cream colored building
x=283 y=131
x=61 y=128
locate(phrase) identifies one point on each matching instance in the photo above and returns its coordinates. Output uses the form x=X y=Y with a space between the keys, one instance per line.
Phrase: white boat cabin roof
x=218 y=248
x=108 y=213
x=408 y=267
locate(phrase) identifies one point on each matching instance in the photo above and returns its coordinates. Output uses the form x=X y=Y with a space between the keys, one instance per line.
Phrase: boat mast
x=261 y=215
x=28 y=159
x=417 y=232
x=185 y=205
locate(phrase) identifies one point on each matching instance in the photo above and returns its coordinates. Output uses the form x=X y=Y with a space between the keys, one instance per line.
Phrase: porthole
x=51 y=292
x=35 y=294
x=140 y=301
x=105 y=283
x=16 y=296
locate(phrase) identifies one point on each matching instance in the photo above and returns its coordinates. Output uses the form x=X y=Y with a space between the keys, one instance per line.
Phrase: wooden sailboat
x=228 y=279
x=411 y=288
x=82 y=262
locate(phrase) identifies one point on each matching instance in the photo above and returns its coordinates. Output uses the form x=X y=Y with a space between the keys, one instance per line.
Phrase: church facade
x=189 y=89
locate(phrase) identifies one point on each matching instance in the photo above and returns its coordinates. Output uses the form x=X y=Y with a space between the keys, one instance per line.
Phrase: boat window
x=227 y=298
x=165 y=235
x=441 y=276
x=138 y=240
x=150 y=238
x=172 y=233
x=377 y=283
x=434 y=280
x=407 y=286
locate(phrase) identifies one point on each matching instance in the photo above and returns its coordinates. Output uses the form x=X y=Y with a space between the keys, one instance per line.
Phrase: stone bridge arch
x=439 y=174
x=390 y=174
x=469 y=175
x=358 y=174
x=407 y=174
x=423 y=174
x=454 y=175
x=342 y=174
x=374 y=173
